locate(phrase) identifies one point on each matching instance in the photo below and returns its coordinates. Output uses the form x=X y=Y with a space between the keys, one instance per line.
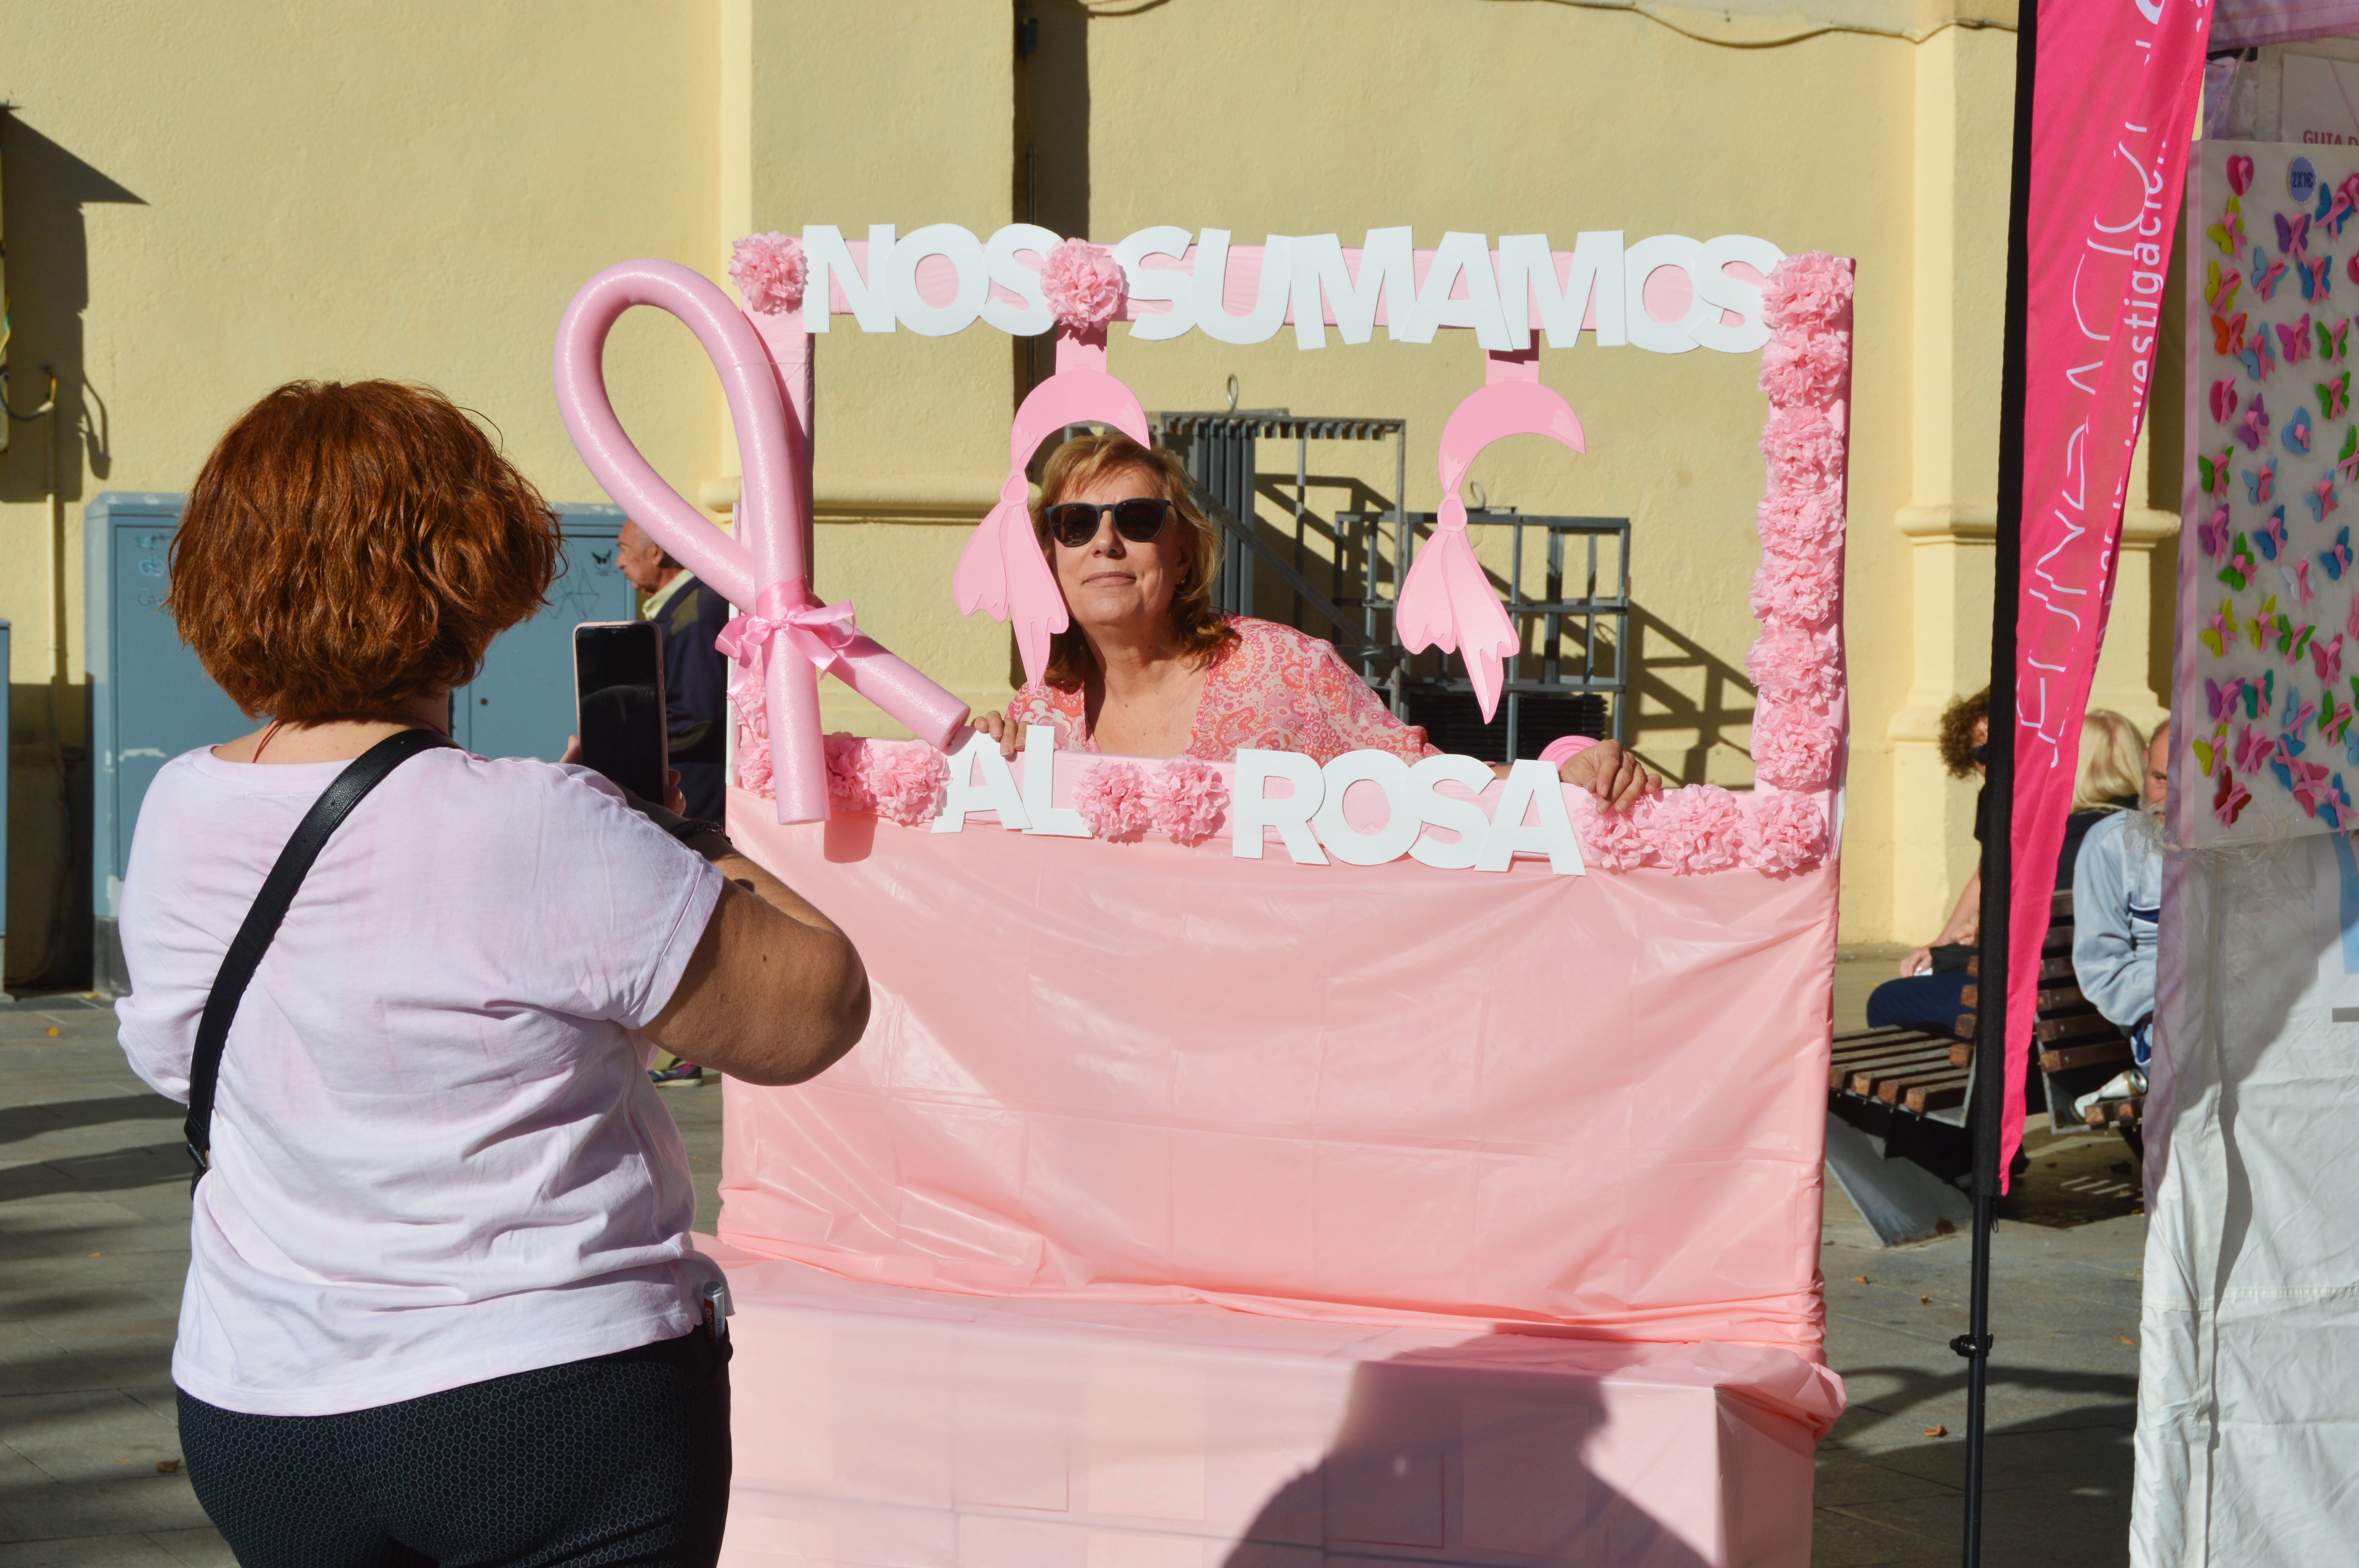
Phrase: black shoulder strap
x=365 y=772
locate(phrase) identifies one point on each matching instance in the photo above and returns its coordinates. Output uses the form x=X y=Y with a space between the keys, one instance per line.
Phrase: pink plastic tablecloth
x=883 y=1425
x=1147 y=1073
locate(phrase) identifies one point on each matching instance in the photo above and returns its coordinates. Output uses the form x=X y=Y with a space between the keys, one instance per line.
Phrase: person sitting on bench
x=1931 y=996
x=2117 y=907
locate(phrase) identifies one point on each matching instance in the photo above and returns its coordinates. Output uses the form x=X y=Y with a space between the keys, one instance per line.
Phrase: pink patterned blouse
x=1273 y=688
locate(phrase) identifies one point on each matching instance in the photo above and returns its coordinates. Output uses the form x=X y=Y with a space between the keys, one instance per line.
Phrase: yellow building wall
x=203 y=201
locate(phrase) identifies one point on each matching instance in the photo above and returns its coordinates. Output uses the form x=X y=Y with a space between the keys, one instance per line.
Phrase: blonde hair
x=2113 y=762
x=1197 y=631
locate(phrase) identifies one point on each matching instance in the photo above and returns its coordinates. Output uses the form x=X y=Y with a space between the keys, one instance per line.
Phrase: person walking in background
x=696 y=674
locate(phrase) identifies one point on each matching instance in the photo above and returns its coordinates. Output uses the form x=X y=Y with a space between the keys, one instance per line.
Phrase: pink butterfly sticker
x=2293 y=341
x=2328 y=658
x=2252 y=749
x=2224 y=399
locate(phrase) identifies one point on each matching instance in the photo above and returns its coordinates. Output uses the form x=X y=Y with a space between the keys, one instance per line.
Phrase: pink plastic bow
x=821 y=633
x=767 y=564
x=1002 y=571
x=1447 y=601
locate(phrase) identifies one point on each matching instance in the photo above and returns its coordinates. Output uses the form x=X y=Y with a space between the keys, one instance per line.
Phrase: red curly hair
x=351 y=545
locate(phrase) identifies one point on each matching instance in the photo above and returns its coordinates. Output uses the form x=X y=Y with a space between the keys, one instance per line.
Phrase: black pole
x=1999 y=819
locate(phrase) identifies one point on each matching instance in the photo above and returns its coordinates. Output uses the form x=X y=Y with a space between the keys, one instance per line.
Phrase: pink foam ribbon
x=766 y=565
x=1447 y=601
x=821 y=633
x=1002 y=571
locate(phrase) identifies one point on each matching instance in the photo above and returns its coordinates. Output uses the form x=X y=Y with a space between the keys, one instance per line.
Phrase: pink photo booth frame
x=1182 y=1207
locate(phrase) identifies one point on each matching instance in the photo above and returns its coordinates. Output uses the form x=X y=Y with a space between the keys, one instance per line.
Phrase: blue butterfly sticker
x=2297 y=433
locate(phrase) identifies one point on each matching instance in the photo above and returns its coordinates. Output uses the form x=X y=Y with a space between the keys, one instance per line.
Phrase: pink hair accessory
x=1002 y=571
x=765 y=565
x=1447 y=600
x=769 y=270
x=1114 y=799
x=1784 y=833
x=1082 y=284
x=1189 y=798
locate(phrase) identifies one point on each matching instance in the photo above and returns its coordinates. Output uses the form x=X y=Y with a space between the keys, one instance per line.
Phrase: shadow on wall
x=1684 y=687
x=1052 y=143
x=1467 y=1462
x=45 y=188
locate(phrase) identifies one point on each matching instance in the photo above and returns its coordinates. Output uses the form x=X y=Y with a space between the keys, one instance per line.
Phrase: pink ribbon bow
x=821 y=633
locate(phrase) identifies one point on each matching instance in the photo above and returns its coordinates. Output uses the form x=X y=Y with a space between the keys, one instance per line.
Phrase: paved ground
x=93 y=1241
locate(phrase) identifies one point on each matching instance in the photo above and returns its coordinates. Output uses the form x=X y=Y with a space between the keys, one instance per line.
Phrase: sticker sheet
x=2268 y=629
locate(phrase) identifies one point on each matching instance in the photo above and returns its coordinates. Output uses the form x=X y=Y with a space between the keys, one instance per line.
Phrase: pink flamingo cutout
x=766 y=565
x=1447 y=601
x=1002 y=571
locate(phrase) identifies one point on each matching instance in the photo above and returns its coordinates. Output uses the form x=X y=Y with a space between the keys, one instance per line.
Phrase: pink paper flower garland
x=1796 y=664
x=903 y=783
x=769 y=272
x=1082 y=284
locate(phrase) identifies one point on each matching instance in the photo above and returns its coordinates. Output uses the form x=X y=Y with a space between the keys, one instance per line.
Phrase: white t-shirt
x=436 y=1154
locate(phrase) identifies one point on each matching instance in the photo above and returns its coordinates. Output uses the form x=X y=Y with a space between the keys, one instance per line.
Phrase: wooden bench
x=1908 y=1086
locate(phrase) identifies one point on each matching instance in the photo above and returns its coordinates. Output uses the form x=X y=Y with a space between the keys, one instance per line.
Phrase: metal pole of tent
x=1990 y=1058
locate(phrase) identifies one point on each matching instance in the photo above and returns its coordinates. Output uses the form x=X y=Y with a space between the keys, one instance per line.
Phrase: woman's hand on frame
x=1614 y=777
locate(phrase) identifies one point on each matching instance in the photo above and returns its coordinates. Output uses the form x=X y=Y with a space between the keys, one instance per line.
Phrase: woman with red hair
x=442 y=1303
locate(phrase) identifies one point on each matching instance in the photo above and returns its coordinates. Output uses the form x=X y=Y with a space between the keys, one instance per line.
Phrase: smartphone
x=618 y=696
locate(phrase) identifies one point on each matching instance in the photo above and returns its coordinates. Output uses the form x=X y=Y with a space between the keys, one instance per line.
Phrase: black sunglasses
x=1073 y=523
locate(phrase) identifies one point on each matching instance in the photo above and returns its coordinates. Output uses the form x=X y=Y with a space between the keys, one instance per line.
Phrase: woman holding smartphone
x=442 y=1303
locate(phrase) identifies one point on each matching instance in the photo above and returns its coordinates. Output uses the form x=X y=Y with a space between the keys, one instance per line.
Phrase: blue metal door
x=522 y=704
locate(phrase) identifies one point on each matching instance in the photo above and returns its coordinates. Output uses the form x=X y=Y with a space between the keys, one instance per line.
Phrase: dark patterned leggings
x=619 y=1459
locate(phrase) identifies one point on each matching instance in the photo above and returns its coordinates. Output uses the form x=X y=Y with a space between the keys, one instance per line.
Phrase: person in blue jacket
x=2117 y=907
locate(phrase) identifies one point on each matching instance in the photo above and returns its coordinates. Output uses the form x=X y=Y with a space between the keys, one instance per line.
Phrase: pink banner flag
x=2115 y=107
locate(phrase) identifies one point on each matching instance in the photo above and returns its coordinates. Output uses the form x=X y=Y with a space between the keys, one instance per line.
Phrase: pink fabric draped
x=1273 y=688
x=1588 y=1106
x=2116 y=105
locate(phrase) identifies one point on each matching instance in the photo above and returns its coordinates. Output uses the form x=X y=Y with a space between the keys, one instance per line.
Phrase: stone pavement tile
x=106 y=1170
x=2094 y=1461
x=1840 y=1538
x=2018 y=1527
x=148 y=1551
x=1845 y=1477
x=89 y=1467
x=194 y=1547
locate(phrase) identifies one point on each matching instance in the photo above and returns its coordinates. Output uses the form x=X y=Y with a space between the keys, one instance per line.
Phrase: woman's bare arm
x=775 y=993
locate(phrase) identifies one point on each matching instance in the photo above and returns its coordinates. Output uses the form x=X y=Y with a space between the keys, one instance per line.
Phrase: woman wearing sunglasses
x=1148 y=667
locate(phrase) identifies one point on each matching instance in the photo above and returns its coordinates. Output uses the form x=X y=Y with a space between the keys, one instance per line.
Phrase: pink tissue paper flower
x=1792 y=666
x=769 y=272
x=1784 y=833
x=1810 y=289
x=1698 y=827
x=1802 y=523
x=1804 y=449
x=847 y=770
x=1610 y=840
x=905 y=781
x=1796 y=590
x=1082 y=284
x=1811 y=367
x=753 y=760
x=1114 y=799
x=1189 y=798
x=1793 y=748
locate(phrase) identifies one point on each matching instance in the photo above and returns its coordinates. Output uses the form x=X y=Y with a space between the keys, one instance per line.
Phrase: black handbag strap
x=363 y=774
